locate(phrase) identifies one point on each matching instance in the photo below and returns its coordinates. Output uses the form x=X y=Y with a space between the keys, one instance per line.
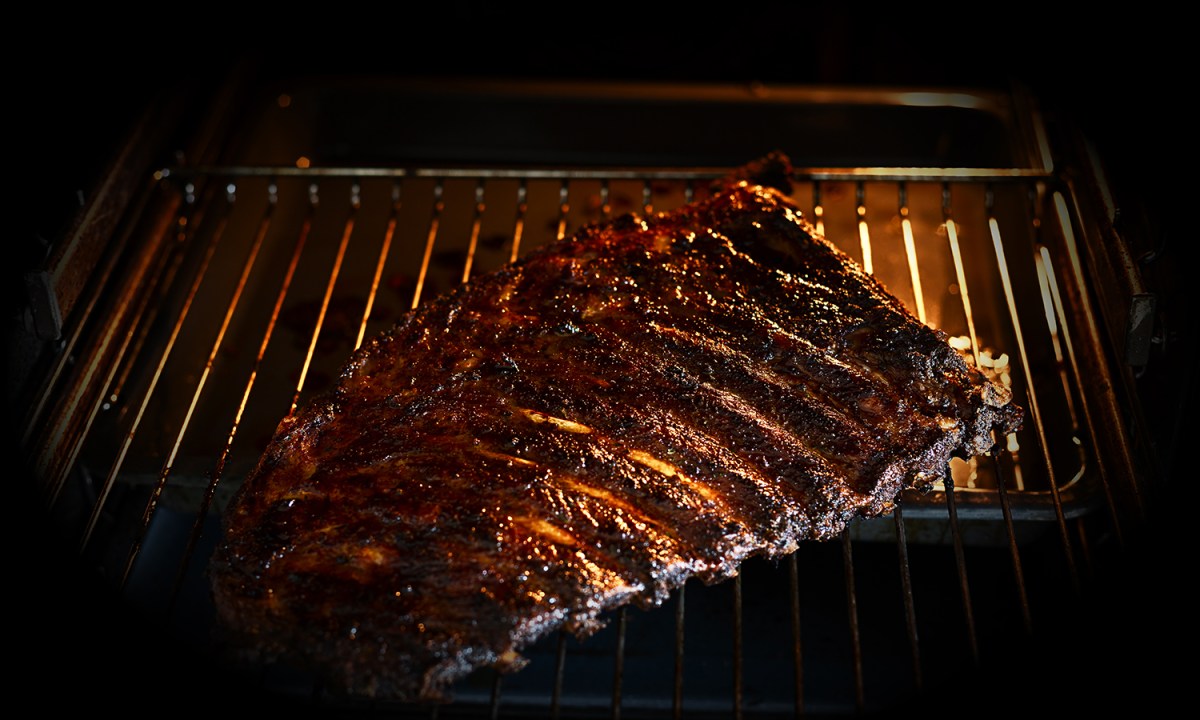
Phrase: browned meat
x=654 y=399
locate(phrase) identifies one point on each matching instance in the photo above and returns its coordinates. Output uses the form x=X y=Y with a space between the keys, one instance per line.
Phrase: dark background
x=1119 y=76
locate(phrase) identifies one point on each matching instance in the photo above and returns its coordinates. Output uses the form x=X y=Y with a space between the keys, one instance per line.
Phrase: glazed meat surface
x=655 y=399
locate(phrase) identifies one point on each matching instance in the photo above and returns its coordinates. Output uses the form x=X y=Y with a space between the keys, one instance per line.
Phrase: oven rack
x=251 y=284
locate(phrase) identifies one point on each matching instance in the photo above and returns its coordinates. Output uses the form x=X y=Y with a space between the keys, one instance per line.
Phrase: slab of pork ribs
x=654 y=399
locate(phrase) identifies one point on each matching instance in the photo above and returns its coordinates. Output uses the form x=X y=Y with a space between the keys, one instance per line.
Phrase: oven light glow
x=303 y=162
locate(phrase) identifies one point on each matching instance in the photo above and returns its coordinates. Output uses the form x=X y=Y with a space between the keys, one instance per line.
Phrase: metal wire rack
x=244 y=295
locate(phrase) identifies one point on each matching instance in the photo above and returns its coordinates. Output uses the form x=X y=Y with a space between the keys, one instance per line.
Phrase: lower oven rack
x=249 y=285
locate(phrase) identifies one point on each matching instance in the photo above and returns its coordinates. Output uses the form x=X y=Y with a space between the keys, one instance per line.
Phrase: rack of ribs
x=652 y=400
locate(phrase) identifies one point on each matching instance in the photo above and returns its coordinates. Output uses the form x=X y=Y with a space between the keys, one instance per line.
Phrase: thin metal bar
x=1013 y=549
x=960 y=274
x=1085 y=546
x=961 y=278
x=619 y=663
x=892 y=174
x=677 y=697
x=384 y=250
x=910 y=251
x=476 y=223
x=219 y=469
x=605 y=204
x=797 y=650
x=1031 y=392
x=737 y=647
x=961 y=564
x=1052 y=325
x=818 y=209
x=230 y=310
x=564 y=207
x=119 y=461
x=734 y=94
x=852 y=610
x=347 y=231
x=434 y=222
x=864 y=232
x=519 y=222
x=910 y=614
x=560 y=661
x=910 y=611
x=144 y=324
x=495 y=704
x=731 y=94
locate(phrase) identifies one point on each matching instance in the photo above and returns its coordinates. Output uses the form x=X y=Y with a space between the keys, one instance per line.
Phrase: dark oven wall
x=1110 y=84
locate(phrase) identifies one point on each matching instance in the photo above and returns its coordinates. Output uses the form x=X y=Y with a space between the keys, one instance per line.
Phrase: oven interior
x=245 y=239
